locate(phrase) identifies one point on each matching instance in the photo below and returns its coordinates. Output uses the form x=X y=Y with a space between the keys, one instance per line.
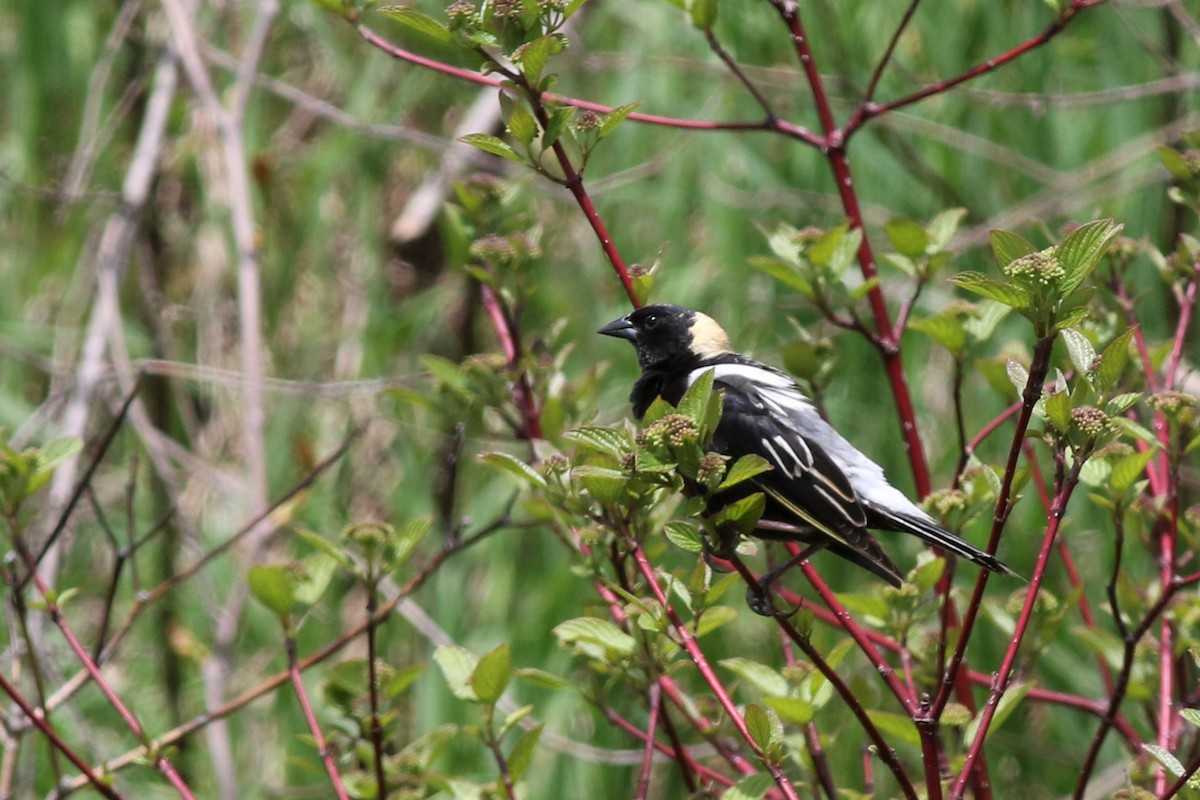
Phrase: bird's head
x=669 y=336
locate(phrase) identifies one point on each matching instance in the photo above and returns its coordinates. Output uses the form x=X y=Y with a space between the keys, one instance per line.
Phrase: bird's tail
x=936 y=535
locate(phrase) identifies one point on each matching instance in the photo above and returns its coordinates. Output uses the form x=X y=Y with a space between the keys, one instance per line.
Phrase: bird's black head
x=669 y=337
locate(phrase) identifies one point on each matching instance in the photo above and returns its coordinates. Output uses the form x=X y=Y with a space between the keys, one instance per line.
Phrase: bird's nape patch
x=708 y=338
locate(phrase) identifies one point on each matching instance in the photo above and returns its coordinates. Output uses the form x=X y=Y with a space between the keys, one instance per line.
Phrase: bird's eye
x=651 y=323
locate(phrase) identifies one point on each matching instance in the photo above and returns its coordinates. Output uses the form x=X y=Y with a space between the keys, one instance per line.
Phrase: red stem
x=161 y=762
x=313 y=727
x=510 y=343
x=689 y=644
x=1004 y=675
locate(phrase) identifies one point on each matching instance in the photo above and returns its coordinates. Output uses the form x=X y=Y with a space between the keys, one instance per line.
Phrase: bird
x=821 y=491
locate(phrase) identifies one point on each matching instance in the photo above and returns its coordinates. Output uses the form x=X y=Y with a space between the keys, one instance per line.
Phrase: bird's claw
x=762 y=602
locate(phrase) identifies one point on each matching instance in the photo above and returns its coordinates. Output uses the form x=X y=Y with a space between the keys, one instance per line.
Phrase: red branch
x=314 y=727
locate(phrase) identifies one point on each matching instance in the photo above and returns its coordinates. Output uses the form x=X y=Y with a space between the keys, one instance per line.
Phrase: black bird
x=826 y=493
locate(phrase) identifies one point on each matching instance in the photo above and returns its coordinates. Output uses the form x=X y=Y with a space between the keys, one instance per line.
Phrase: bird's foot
x=761 y=601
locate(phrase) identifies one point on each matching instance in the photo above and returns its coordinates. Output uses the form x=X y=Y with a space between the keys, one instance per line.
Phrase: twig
x=314 y=727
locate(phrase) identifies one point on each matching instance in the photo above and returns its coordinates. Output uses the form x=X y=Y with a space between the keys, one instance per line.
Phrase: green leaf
x=895 y=726
x=522 y=752
x=1083 y=249
x=762 y=677
x=943 y=227
x=419 y=22
x=1113 y=359
x=1121 y=403
x=457 y=665
x=402 y=678
x=752 y=787
x=491 y=144
x=319 y=569
x=591 y=630
x=1009 y=294
x=744 y=513
x=513 y=466
x=535 y=54
x=1192 y=715
x=325 y=546
x=1135 y=429
x=1165 y=758
x=271 y=585
x=765 y=732
x=713 y=618
x=694 y=403
x=1018 y=375
x=491 y=675
x=946 y=330
x=1007 y=247
x=1127 y=469
x=606 y=486
x=784 y=273
x=614 y=441
x=1174 y=162
x=908 y=236
x=1058 y=410
x=1008 y=703
x=1080 y=349
x=612 y=119
x=790 y=709
x=684 y=535
x=546 y=680
x=522 y=125
x=744 y=469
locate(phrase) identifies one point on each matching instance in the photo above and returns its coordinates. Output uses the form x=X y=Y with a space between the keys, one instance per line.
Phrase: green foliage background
x=1067 y=132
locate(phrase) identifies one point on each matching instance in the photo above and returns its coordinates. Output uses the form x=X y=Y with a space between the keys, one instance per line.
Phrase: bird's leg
x=758 y=592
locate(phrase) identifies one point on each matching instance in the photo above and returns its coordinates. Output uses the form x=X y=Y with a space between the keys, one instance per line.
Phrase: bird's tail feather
x=938 y=536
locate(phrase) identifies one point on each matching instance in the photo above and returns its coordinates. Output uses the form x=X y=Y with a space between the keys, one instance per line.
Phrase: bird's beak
x=621 y=328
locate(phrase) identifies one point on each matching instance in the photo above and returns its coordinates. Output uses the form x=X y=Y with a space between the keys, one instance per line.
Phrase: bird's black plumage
x=820 y=485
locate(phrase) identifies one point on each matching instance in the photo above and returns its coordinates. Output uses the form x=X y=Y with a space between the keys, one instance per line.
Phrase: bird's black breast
x=669 y=385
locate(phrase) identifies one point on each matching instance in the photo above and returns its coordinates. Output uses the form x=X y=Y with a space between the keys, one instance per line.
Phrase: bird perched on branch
x=821 y=490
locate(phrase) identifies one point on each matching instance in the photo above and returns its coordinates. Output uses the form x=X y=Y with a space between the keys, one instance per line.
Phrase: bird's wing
x=766 y=414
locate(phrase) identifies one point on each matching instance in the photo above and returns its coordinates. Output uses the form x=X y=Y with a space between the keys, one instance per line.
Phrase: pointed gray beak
x=621 y=328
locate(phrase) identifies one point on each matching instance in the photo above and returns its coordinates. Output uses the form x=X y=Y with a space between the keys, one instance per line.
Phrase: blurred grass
x=326 y=196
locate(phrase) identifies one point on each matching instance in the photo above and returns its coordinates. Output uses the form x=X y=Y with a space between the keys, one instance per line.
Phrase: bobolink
x=826 y=493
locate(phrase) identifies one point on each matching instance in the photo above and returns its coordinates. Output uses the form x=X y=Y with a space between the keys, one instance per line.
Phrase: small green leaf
x=762 y=677
x=1135 y=429
x=491 y=675
x=694 y=403
x=946 y=330
x=612 y=119
x=522 y=752
x=513 y=466
x=762 y=731
x=1058 y=410
x=713 y=618
x=784 y=273
x=1009 y=294
x=522 y=125
x=752 y=787
x=943 y=227
x=1018 y=375
x=744 y=469
x=1113 y=359
x=491 y=144
x=546 y=680
x=457 y=665
x=1121 y=403
x=591 y=630
x=271 y=585
x=1080 y=349
x=1165 y=758
x=614 y=441
x=1192 y=715
x=535 y=54
x=606 y=486
x=418 y=22
x=1127 y=469
x=908 y=236
x=1008 y=703
x=744 y=513
x=790 y=709
x=895 y=726
x=1007 y=247
x=1174 y=162
x=684 y=535
x=1082 y=250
